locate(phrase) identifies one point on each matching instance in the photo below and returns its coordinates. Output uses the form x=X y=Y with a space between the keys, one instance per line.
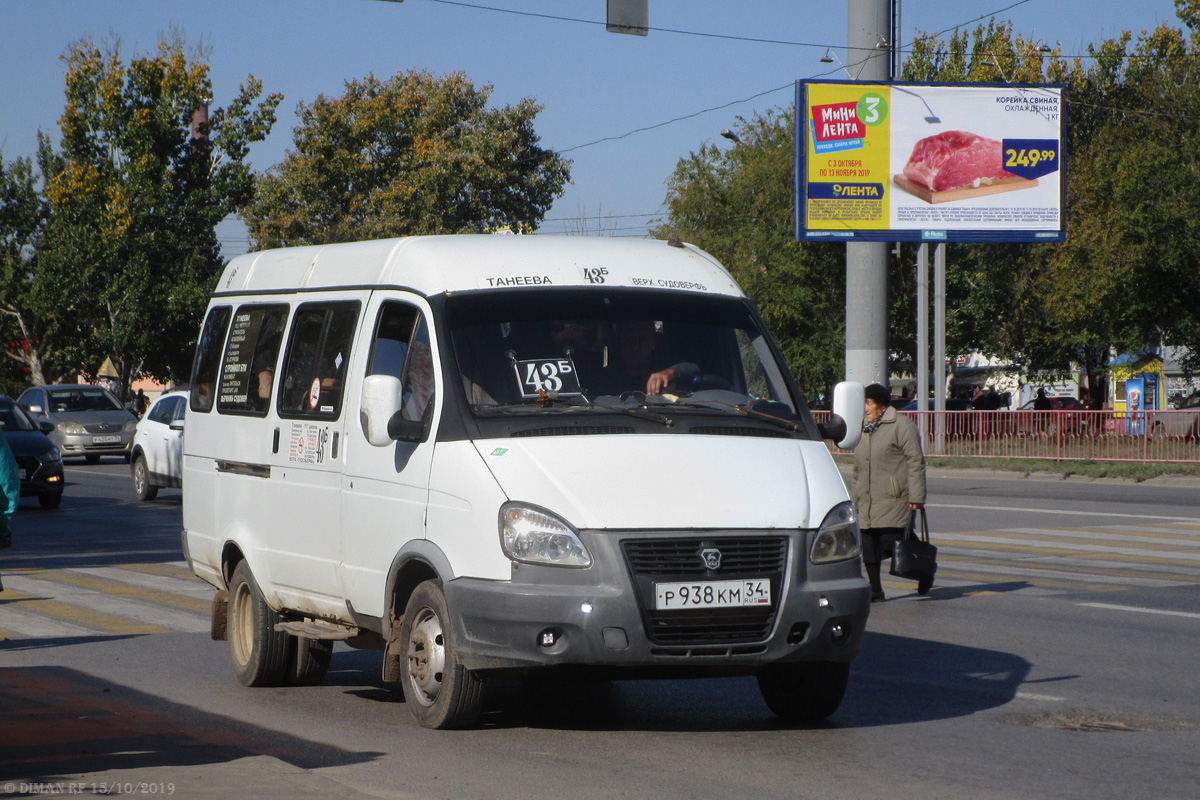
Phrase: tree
x=411 y=155
x=145 y=173
x=22 y=217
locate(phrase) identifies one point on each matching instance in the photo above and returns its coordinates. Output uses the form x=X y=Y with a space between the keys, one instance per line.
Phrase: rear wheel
x=308 y=661
x=142 y=486
x=808 y=692
x=259 y=653
x=439 y=690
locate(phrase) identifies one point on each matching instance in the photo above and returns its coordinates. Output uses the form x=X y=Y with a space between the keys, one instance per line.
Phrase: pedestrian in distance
x=889 y=481
x=10 y=484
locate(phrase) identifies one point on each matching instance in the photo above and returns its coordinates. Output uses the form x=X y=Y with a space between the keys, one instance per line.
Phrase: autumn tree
x=144 y=174
x=414 y=154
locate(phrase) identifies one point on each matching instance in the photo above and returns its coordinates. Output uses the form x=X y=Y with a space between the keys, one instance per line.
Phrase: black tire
x=308 y=661
x=50 y=500
x=439 y=690
x=142 y=487
x=258 y=653
x=92 y=459
x=807 y=692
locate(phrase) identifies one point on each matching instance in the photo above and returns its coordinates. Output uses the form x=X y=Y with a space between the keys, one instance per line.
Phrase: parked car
x=157 y=457
x=1183 y=420
x=88 y=420
x=1072 y=424
x=958 y=426
x=38 y=459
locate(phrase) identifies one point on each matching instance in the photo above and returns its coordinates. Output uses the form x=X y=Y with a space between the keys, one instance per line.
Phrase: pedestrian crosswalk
x=1153 y=555
x=146 y=598
x=124 y=599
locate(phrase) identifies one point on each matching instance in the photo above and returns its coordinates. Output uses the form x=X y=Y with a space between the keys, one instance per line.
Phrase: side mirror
x=46 y=427
x=381 y=401
x=845 y=426
x=176 y=424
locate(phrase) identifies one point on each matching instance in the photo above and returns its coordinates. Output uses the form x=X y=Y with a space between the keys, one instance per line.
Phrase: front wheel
x=259 y=653
x=807 y=692
x=142 y=486
x=50 y=500
x=439 y=690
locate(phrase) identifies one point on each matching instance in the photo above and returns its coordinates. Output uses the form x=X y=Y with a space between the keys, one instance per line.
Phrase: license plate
x=106 y=439
x=712 y=594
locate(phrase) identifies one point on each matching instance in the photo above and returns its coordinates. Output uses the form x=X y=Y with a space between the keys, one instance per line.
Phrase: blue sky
x=594 y=85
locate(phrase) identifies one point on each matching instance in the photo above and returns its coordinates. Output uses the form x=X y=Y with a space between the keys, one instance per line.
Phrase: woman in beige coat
x=889 y=481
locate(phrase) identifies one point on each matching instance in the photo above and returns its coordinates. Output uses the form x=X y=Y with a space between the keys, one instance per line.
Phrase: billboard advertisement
x=928 y=162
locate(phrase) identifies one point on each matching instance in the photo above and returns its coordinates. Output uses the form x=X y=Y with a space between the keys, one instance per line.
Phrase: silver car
x=88 y=420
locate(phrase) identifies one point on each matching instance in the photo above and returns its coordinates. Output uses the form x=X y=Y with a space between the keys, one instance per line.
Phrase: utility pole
x=868 y=27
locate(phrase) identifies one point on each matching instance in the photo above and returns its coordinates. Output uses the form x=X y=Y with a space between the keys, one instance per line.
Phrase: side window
x=401 y=349
x=208 y=358
x=418 y=375
x=315 y=365
x=162 y=411
x=248 y=371
x=393 y=332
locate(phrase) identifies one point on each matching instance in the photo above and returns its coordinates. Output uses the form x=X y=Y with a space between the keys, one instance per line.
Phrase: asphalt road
x=1056 y=657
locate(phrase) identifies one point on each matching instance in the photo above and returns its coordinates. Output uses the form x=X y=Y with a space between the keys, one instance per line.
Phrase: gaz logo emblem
x=711 y=557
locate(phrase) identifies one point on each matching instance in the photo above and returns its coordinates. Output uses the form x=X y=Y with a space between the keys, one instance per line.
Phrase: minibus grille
x=678 y=559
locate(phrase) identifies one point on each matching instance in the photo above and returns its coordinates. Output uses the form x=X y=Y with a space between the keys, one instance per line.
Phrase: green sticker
x=872 y=109
x=499 y=451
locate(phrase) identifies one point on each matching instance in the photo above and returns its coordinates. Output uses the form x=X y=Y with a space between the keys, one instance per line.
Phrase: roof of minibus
x=435 y=264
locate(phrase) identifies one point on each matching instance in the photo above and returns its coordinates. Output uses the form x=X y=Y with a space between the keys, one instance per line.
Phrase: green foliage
x=411 y=155
x=129 y=252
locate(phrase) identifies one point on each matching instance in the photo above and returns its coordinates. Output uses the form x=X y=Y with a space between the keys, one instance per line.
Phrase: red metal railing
x=1145 y=436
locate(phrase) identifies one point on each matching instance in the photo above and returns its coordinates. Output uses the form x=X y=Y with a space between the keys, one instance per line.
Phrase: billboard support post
x=868 y=23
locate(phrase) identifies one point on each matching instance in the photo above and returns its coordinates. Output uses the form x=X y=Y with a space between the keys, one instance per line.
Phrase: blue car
x=38 y=458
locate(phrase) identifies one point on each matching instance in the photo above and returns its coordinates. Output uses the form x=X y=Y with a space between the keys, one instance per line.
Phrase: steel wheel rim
x=426 y=657
x=241 y=638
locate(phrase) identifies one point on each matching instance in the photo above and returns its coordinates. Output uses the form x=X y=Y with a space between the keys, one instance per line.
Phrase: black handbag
x=914 y=557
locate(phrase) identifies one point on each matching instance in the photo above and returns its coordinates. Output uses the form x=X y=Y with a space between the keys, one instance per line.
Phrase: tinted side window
x=315 y=366
x=393 y=332
x=162 y=410
x=251 y=358
x=208 y=358
x=418 y=375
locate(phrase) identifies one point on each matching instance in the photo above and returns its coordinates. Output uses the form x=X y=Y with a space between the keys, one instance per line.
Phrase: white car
x=157 y=455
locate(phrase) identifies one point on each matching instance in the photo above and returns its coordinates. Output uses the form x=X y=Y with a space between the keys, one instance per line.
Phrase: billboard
x=928 y=162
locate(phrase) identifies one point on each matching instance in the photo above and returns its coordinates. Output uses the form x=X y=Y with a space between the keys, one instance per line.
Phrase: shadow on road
x=896 y=680
x=56 y=723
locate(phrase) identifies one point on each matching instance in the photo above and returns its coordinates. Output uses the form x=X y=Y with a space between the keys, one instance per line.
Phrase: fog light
x=823 y=601
x=585 y=607
x=548 y=638
x=839 y=633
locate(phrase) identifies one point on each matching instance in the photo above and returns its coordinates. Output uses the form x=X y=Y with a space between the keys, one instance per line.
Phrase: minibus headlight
x=534 y=536
x=838 y=538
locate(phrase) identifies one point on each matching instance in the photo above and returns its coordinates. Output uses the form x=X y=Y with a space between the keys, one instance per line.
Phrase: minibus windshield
x=549 y=350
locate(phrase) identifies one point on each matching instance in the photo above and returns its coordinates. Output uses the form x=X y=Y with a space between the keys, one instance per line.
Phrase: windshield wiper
x=746 y=411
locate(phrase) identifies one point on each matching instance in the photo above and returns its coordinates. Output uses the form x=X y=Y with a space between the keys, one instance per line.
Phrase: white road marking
x=1135 y=609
